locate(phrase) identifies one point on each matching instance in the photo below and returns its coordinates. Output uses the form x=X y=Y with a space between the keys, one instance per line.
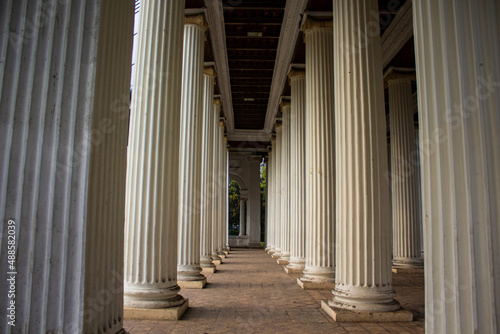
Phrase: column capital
x=218 y=101
x=210 y=70
x=396 y=73
x=296 y=73
x=269 y=149
x=222 y=122
x=198 y=20
x=284 y=103
x=273 y=138
x=277 y=124
x=311 y=23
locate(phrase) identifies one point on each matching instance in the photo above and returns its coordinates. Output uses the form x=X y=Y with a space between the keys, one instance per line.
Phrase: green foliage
x=234 y=207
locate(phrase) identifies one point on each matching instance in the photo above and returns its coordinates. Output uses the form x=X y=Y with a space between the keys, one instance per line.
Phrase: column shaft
x=151 y=216
x=297 y=170
x=216 y=182
x=277 y=195
x=207 y=170
x=269 y=204
x=272 y=197
x=242 y=217
x=364 y=277
x=320 y=154
x=64 y=100
x=458 y=74
x=404 y=176
x=188 y=262
x=285 y=184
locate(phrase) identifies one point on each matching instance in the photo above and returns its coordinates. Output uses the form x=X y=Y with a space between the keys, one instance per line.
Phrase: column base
x=200 y=284
x=209 y=270
x=282 y=262
x=217 y=262
x=401 y=270
x=171 y=313
x=342 y=315
x=276 y=255
x=311 y=285
x=226 y=252
x=293 y=270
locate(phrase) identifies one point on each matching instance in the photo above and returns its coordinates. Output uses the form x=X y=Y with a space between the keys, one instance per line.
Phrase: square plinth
x=340 y=315
x=282 y=262
x=171 y=313
x=226 y=252
x=396 y=270
x=208 y=270
x=294 y=270
x=315 y=285
x=277 y=256
x=192 y=284
x=222 y=256
x=217 y=262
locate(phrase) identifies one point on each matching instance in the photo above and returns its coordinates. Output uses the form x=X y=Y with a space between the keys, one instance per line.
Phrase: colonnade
x=70 y=184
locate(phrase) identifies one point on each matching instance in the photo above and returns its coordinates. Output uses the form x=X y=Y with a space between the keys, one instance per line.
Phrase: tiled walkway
x=251 y=293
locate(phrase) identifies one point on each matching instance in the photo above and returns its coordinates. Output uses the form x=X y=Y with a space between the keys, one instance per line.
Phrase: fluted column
x=242 y=217
x=216 y=182
x=221 y=189
x=319 y=156
x=207 y=171
x=269 y=204
x=226 y=195
x=64 y=110
x=188 y=264
x=277 y=195
x=458 y=75
x=406 y=216
x=285 y=184
x=364 y=277
x=272 y=197
x=297 y=171
x=151 y=216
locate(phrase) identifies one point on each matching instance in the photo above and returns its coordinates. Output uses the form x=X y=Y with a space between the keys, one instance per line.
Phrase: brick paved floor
x=251 y=293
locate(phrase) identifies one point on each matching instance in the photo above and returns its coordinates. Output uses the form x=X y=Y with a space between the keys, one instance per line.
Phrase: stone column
x=64 y=110
x=269 y=200
x=364 y=277
x=285 y=184
x=458 y=75
x=215 y=183
x=151 y=216
x=221 y=185
x=319 y=269
x=297 y=172
x=272 y=197
x=188 y=263
x=406 y=216
x=226 y=195
x=253 y=204
x=277 y=196
x=242 y=217
x=207 y=172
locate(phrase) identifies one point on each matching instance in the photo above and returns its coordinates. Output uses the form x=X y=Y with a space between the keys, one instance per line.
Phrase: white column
x=253 y=204
x=458 y=74
x=272 y=197
x=364 y=277
x=207 y=170
x=64 y=100
x=285 y=184
x=242 y=217
x=221 y=189
x=188 y=262
x=215 y=182
x=151 y=216
x=320 y=155
x=406 y=216
x=269 y=200
x=297 y=171
x=226 y=194
x=277 y=196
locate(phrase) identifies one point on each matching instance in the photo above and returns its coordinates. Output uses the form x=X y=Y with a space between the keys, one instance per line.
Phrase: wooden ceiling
x=252 y=35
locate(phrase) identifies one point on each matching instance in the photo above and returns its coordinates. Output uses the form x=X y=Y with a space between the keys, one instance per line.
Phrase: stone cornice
x=397 y=33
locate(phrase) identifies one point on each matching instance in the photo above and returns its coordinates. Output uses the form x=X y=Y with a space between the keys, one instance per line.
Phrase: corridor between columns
x=251 y=293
